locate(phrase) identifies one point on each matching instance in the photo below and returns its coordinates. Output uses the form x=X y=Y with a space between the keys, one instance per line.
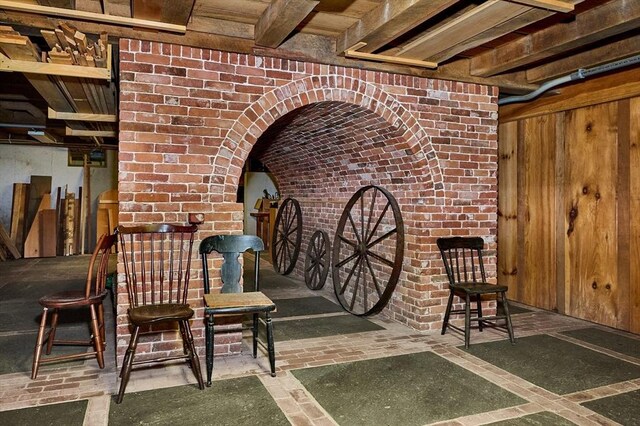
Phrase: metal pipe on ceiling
x=580 y=74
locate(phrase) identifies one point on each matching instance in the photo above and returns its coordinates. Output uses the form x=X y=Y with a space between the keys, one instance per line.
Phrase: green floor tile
x=623 y=408
x=305 y=306
x=608 y=340
x=555 y=365
x=233 y=402
x=16 y=351
x=403 y=390
x=321 y=327
x=65 y=414
x=544 y=418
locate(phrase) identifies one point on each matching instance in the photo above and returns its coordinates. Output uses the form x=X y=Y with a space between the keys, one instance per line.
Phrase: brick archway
x=257 y=118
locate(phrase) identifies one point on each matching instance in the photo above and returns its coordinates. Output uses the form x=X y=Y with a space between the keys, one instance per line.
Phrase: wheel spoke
x=377 y=240
x=373 y=275
x=355 y=288
x=347 y=260
x=366 y=234
x=380 y=258
x=355 y=230
x=344 y=239
x=375 y=228
x=346 y=281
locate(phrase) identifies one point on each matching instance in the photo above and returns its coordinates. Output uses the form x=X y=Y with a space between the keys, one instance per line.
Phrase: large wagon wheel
x=368 y=249
x=318 y=260
x=287 y=234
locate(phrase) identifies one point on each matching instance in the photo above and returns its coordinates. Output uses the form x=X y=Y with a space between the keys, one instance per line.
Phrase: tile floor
x=55 y=385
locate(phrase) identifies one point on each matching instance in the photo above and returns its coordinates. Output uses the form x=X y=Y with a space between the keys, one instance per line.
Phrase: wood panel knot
x=594 y=285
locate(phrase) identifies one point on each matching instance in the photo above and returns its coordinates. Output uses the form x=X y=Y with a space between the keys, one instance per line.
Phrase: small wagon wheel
x=287 y=234
x=368 y=249
x=316 y=265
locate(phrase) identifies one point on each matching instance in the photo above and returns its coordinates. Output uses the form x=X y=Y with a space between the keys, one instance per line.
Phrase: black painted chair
x=462 y=257
x=231 y=300
x=91 y=297
x=157 y=263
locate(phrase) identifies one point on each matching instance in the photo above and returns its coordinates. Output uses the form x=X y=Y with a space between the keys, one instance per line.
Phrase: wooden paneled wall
x=569 y=197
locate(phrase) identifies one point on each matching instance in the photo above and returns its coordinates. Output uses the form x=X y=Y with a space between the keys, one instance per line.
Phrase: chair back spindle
x=157 y=263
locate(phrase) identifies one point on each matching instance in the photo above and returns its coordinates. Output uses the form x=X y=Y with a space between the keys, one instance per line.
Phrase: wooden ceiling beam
x=69 y=116
x=280 y=19
x=388 y=21
x=555 y=5
x=90 y=16
x=610 y=19
x=99 y=133
x=354 y=53
x=458 y=31
x=591 y=58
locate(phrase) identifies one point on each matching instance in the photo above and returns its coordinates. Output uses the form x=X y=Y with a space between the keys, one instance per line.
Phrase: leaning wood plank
x=8 y=243
x=32 y=243
x=40 y=186
x=19 y=209
x=47 y=233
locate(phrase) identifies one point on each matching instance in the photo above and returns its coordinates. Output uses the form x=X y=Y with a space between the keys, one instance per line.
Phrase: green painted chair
x=231 y=300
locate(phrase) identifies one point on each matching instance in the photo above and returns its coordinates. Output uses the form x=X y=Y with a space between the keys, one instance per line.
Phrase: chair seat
x=73 y=298
x=150 y=314
x=238 y=302
x=479 y=287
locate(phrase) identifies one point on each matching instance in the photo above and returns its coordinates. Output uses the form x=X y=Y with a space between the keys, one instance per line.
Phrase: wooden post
x=69 y=228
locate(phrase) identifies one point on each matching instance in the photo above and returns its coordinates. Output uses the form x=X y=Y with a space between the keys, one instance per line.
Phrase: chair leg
x=210 y=336
x=447 y=314
x=98 y=345
x=270 y=345
x=505 y=306
x=103 y=332
x=128 y=363
x=52 y=331
x=479 y=309
x=254 y=331
x=37 y=351
x=192 y=353
x=467 y=320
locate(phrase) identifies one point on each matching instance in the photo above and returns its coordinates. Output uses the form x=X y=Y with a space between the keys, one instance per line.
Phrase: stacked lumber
x=72 y=47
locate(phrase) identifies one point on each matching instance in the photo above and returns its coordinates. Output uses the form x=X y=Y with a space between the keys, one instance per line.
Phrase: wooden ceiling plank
x=610 y=19
x=462 y=28
x=555 y=5
x=591 y=58
x=89 y=16
x=495 y=32
x=221 y=27
x=172 y=11
x=388 y=21
x=280 y=19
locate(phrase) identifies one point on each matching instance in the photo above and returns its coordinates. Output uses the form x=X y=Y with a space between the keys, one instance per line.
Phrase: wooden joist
x=279 y=19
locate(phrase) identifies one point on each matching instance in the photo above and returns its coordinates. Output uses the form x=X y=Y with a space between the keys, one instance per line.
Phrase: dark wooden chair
x=90 y=297
x=232 y=300
x=157 y=262
x=465 y=270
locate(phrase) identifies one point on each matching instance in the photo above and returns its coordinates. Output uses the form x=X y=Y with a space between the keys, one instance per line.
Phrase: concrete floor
x=86 y=381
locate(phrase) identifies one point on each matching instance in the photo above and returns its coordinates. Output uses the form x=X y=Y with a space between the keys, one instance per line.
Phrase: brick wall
x=190 y=117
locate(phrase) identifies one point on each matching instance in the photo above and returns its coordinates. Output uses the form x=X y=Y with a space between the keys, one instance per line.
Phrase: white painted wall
x=254 y=185
x=19 y=162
